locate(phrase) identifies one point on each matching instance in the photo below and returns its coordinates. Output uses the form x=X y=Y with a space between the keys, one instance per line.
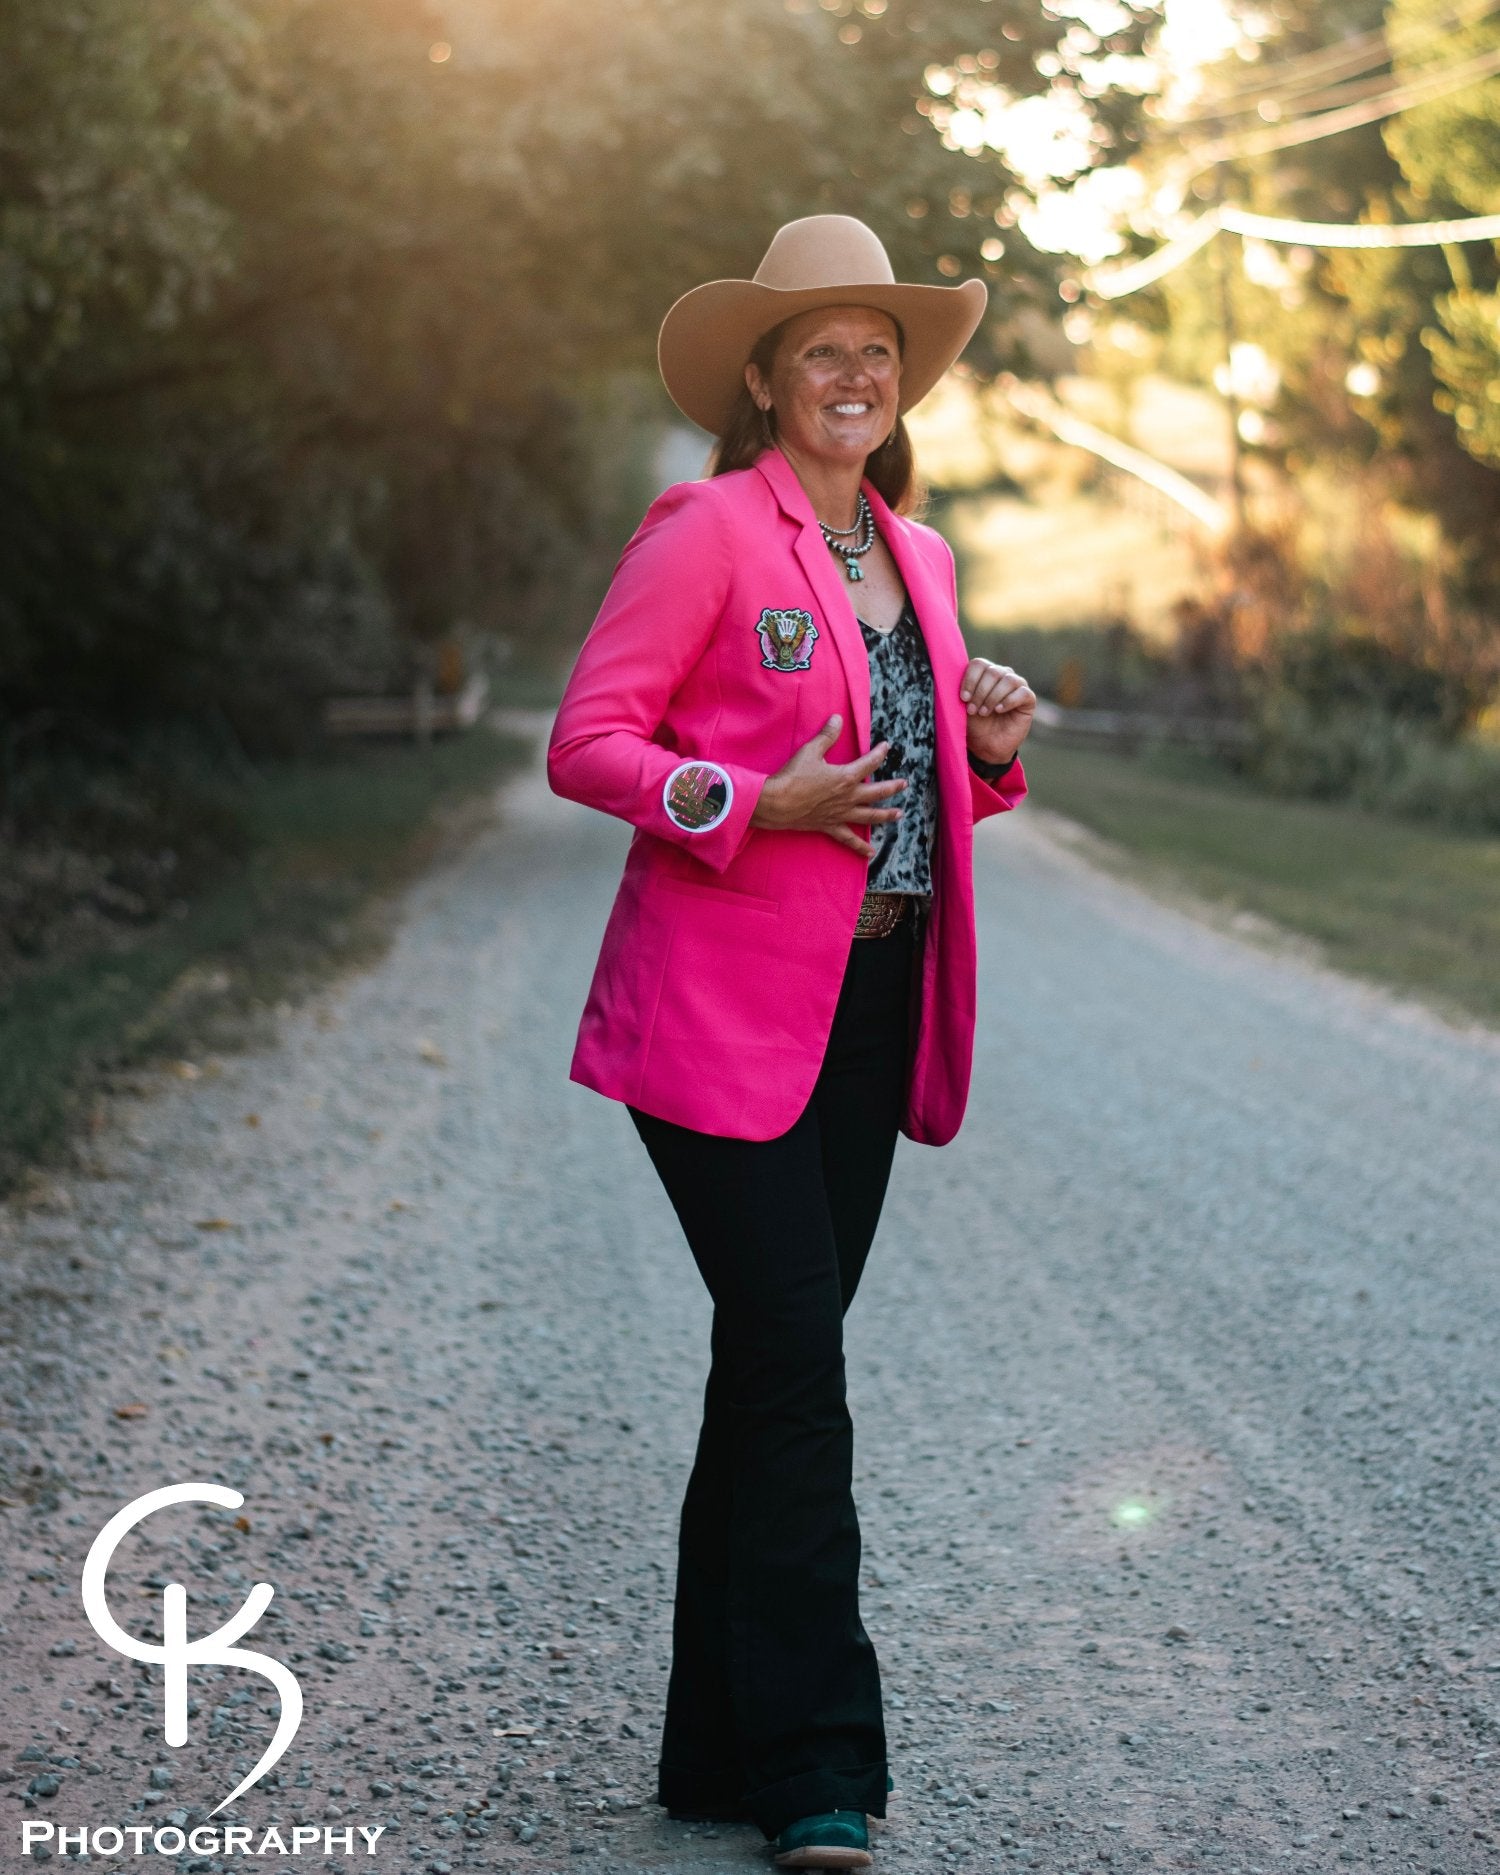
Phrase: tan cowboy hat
x=823 y=260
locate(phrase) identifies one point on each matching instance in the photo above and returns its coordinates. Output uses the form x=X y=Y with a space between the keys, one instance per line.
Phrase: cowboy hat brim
x=707 y=337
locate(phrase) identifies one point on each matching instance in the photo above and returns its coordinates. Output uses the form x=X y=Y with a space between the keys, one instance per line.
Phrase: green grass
x=1395 y=901
x=330 y=838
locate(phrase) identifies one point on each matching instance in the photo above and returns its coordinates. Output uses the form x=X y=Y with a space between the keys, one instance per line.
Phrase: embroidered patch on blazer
x=697 y=796
x=786 y=639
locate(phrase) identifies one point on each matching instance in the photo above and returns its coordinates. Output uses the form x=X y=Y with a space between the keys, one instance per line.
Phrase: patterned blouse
x=901 y=709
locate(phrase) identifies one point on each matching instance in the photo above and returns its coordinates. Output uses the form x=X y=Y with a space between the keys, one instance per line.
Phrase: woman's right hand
x=815 y=795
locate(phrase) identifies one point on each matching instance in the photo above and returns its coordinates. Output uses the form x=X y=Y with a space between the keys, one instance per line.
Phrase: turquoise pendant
x=854 y=571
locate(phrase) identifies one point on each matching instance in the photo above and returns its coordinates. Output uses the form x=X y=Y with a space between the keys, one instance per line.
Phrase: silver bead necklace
x=864 y=526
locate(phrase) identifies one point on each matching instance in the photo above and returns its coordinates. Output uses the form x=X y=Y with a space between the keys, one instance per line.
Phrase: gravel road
x=1174 y=1384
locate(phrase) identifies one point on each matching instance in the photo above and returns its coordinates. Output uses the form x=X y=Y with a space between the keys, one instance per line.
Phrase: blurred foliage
x=1110 y=667
x=329 y=324
x=1360 y=677
x=276 y=880
x=1358 y=625
x=1449 y=152
x=1384 y=357
x=1332 y=670
x=327 y=346
x=1359 y=751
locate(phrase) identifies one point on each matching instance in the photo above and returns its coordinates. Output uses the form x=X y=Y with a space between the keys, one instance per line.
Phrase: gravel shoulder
x=1174 y=1382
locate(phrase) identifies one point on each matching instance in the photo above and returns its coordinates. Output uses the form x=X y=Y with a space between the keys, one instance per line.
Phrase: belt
x=881 y=912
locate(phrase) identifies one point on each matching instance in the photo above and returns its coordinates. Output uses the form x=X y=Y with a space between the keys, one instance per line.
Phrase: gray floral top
x=901 y=708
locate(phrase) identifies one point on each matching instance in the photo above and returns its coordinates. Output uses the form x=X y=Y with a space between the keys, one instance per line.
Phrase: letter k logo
x=177 y=1651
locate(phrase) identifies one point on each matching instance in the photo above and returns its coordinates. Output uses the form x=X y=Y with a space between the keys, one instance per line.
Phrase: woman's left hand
x=1001 y=705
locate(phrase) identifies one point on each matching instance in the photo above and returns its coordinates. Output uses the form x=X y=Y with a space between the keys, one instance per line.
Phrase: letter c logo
x=177 y=1650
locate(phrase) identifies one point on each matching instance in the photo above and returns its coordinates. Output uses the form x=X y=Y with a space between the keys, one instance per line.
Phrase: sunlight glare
x=1082 y=220
x=1196 y=32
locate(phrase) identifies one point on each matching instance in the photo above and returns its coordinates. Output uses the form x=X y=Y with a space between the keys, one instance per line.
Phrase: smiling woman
x=787 y=978
x=809 y=345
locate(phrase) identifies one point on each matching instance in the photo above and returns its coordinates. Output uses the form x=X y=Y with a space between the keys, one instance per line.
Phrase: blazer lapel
x=830 y=588
x=929 y=597
x=932 y=606
x=930 y=600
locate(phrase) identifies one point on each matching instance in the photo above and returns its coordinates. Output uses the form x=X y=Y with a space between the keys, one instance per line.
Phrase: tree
x=312 y=301
x=1358 y=337
x=1449 y=153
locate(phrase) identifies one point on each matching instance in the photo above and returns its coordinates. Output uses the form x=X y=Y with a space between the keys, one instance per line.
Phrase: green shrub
x=1456 y=782
x=1335 y=671
x=1116 y=666
x=1361 y=752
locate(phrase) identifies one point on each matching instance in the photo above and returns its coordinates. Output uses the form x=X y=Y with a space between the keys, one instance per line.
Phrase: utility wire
x=1290 y=76
x=1131 y=276
x=1031 y=401
x=1363 y=233
x=1116 y=282
x=1423 y=90
x=1302 y=107
x=1350 y=59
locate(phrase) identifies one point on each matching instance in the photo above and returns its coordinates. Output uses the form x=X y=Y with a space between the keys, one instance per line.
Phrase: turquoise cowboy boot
x=838 y=1839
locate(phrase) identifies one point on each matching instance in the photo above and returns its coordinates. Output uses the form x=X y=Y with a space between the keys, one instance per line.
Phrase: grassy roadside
x=1400 y=902
x=329 y=840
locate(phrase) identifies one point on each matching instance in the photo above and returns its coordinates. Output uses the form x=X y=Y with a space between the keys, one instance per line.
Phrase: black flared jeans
x=774 y=1695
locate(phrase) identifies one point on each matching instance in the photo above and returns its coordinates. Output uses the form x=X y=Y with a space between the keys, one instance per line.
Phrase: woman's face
x=834 y=383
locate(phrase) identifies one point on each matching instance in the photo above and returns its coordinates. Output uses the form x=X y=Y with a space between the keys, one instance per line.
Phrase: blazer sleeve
x=657 y=620
x=994 y=797
x=1010 y=789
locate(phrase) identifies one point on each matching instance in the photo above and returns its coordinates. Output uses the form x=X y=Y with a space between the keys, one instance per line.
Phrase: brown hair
x=892 y=468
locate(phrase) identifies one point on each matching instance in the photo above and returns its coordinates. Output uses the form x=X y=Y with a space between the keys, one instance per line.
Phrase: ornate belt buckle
x=880 y=913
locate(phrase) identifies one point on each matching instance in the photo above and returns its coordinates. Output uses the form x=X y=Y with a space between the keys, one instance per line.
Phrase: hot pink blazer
x=726 y=641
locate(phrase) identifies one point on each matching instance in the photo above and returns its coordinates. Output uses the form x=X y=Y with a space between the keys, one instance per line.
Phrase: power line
x=1423 y=90
x=1131 y=276
x=1306 y=105
x=1116 y=282
x=1361 y=234
x=1350 y=59
x=1032 y=402
x=1353 y=57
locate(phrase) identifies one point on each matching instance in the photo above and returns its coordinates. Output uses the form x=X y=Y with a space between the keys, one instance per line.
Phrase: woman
x=787 y=977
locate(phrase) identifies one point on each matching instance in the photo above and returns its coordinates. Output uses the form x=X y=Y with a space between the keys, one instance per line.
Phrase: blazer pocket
x=725 y=894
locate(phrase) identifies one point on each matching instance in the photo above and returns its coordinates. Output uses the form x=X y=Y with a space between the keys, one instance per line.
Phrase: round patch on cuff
x=697 y=796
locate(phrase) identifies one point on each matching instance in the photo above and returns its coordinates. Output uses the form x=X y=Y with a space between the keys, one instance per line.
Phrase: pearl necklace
x=864 y=526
